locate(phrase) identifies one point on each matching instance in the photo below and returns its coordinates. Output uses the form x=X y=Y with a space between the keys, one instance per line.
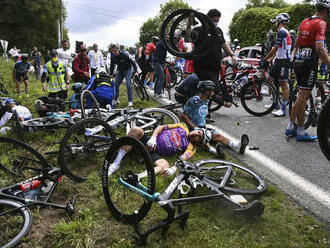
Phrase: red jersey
x=150 y=48
x=310 y=31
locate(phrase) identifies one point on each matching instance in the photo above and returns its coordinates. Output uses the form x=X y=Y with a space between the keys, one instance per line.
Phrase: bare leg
x=26 y=83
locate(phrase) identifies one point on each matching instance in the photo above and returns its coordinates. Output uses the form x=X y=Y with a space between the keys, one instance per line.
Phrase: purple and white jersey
x=284 y=43
x=172 y=141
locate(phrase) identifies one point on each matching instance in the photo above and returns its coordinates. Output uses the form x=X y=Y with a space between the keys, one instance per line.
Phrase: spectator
x=37 y=65
x=158 y=61
x=81 y=66
x=95 y=58
x=64 y=56
x=47 y=57
x=124 y=70
x=20 y=73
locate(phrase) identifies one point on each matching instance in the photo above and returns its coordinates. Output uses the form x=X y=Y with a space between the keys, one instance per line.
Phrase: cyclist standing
x=308 y=48
x=158 y=61
x=148 y=51
x=279 y=72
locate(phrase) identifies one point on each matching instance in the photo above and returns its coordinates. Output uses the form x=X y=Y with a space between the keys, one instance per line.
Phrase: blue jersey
x=196 y=109
x=283 y=42
x=22 y=67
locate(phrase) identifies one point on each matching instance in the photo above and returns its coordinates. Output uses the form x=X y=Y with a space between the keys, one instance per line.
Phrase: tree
x=30 y=23
x=152 y=25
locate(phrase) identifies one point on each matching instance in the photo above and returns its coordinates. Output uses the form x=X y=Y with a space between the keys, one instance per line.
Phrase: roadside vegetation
x=211 y=224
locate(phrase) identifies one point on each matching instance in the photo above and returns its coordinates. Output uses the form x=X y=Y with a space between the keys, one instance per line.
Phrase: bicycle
x=34 y=181
x=85 y=142
x=130 y=191
x=139 y=87
x=323 y=129
x=254 y=92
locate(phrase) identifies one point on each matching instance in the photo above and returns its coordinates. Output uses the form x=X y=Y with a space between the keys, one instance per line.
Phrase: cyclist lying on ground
x=195 y=112
x=22 y=113
x=102 y=87
x=45 y=105
x=165 y=140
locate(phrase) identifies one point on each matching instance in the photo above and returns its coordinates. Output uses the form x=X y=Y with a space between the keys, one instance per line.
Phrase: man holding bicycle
x=308 y=48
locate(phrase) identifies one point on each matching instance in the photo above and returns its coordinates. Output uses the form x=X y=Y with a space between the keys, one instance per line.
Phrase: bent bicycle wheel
x=157 y=117
x=138 y=89
x=19 y=161
x=89 y=105
x=241 y=180
x=258 y=97
x=134 y=173
x=323 y=129
x=83 y=148
x=49 y=121
x=16 y=222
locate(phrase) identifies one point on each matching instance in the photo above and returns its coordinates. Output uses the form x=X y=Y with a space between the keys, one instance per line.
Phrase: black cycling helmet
x=213 y=13
x=206 y=85
x=24 y=57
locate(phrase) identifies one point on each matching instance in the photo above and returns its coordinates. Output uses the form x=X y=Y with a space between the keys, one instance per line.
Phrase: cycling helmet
x=76 y=87
x=53 y=53
x=100 y=70
x=207 y=135
x=24 y=57
x=9 y=100
x=323 y=3
x=282 y=18
x=293 y=32
x=206 y=85
x=235 y=40
x=154 y=38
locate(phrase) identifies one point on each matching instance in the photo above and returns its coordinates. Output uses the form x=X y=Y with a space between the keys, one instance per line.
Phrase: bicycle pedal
x=70 y=207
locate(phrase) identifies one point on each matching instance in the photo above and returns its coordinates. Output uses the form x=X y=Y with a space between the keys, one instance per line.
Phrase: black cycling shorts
x=306 y=74
x=154 y=154
x=279 y=72
x=148 y=66
x=21 y=76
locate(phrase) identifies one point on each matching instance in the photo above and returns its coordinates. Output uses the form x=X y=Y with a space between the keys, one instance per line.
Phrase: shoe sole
x=305 y=140
x=244 y=142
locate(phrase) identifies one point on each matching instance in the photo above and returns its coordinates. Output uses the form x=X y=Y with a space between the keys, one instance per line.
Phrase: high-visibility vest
x=56 y=81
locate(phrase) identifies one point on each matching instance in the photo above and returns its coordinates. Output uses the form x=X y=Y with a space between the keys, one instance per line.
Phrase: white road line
x=309 y=188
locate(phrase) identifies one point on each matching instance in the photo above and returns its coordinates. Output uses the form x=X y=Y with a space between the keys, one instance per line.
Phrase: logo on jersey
x=203 y=110
x=175 y=137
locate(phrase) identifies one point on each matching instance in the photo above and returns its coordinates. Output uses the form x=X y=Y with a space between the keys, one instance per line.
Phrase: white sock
x=301 y=130
x=119 y=158
x=142 y=175
x=290 y=125
x=234 y=144
x=213 y=150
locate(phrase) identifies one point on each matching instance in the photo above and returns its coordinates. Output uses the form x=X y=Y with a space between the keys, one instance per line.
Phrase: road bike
x=33 y=182
x=139 y=87
x=88 y=140
x=130 y=191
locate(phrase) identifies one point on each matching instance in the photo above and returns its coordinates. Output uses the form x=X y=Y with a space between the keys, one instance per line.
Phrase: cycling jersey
x=150 y=48
x=310 y=31
x=20 y=111
x=174 y=139
x=283 y=42
x=188 y=87
x=196 y=109
x=22 y=67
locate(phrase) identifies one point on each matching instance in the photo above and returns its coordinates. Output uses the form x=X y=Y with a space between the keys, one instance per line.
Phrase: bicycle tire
x=323 y=129
x=124 y=204
x=9 y=222
x=95 y=110
x=146 y=96
x=79 y=153
x=138 y=89
x=312 y=117
x=258 y=185
x=254 y=101
x=163 y=116
x=20 y=161
x=3 y=90
x=48 y=121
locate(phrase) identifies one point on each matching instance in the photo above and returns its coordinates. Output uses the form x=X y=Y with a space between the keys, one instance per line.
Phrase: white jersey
x=20 y=111
x=64 y=56
x=96 y=59
x=283 y=42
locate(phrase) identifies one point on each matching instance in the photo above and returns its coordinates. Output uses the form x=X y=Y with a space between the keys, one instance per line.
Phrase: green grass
x=211 y=224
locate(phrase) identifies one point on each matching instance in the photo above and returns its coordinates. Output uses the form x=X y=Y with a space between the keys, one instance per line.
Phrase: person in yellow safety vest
x=57 y=78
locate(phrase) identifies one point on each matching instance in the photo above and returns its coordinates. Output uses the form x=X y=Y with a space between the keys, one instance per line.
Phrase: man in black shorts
x=20 y=73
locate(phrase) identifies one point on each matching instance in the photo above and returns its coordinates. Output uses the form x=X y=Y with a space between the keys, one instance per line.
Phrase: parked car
x=248 y=55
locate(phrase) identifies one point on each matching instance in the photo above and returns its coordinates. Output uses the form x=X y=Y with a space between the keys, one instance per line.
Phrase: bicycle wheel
x=138 y=89
x=49 y=121
x=3 y=90
x=16 y=222
x=83 y=148
x=323 y=129
x=125 y=204
x=241 y=180
x=258 y=97
x=89 y=105
x=19 y=161
x=159 y=117
x=146 y=96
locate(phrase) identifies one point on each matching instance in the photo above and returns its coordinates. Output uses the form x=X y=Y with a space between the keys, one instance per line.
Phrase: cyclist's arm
x=158 y=130
x=133 y=63
x=189 y=152
x=187 y=120
x=322 y=52
x=272 y=53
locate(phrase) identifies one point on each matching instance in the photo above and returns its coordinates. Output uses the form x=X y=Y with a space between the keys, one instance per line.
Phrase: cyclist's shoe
x=113 y=168
x=151 y=85
x=277 y=106
x=306 y=137
x=291 y=132
x=244 y=142
x=130 y=104
x=279 y=113
x=220 y=153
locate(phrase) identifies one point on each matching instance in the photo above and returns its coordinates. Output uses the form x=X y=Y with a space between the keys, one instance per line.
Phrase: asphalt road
x=298 y=168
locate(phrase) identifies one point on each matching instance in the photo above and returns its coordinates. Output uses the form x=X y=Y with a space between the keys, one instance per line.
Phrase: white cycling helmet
x=323 y=3
x=282 y=18
x=100 y=70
